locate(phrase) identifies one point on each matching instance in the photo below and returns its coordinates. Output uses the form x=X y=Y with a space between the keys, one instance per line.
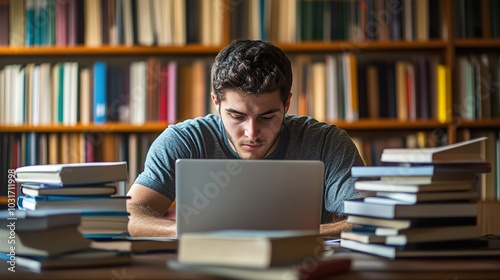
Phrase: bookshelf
x=240 y=19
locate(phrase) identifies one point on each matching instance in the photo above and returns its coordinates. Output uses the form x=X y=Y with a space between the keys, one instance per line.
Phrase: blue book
x=100 y=94
x=73 y=203
x=420 y=170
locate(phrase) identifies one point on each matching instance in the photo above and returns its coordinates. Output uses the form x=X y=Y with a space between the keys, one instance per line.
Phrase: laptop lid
x=216 y=194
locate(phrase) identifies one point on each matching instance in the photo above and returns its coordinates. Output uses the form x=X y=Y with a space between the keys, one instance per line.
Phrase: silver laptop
x=216 y=194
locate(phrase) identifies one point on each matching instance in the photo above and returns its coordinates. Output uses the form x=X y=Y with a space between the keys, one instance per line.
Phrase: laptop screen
x=216 y=194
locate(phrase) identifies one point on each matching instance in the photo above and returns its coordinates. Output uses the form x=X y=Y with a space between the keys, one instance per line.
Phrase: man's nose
x=251 y=129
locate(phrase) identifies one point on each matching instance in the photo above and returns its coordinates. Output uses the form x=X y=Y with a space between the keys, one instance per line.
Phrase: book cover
x=73 y=173
x=45 y=242
x=26 y=220
x=410 y=222
x=421 y=210
x=73 y=203
x=82 y=258
x=413 y=187
x=45 y=189
x=248 y=248
x=466 y=151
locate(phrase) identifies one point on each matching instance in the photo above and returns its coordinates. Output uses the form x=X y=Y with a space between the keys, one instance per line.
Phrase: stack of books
x=43 y=239
x=86 y=188
x=256 y=254
x=422 y=203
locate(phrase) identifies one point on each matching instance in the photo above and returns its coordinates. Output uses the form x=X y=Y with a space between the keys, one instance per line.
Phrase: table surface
x=364 y=266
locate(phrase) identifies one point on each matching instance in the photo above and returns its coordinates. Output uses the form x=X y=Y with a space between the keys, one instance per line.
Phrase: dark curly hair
x=252 y=67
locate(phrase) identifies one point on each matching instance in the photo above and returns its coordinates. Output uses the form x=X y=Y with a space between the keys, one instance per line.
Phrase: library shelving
x=367 y=40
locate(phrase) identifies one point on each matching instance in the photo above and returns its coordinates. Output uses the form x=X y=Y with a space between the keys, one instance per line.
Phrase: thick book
x=104 y=223
x=31 y=189
x=83 y=258
x=26 y=220
x=47 y=242
x=466 y=151
x=138 y=244
x=410 y=223
x=322 y=269
x=422 y=210
x=74 y=203
x=430 y=250
x=248 y=248
x=391 y=236
x=430 y=196
x=73 y=173
x=413 y=187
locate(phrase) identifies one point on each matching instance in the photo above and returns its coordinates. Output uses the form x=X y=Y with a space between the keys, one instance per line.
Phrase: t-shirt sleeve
x=339 y=155
x=159 y=165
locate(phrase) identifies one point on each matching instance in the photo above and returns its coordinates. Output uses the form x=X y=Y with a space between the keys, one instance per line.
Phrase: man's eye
x=237 y=117
x=266 y=118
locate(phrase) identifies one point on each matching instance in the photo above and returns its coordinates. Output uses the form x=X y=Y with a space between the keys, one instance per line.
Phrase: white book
x=137 y=99
x=45 y=94
x=466 y=151
x=145 y=22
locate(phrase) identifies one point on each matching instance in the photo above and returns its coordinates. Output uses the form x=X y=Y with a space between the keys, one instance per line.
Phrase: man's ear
x=215 y=102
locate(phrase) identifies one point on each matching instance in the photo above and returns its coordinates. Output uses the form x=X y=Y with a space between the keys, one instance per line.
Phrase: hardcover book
x=466 y=151
x=73 y=173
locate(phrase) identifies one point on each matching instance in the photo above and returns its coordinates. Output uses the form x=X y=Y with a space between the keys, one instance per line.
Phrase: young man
x=252 y=82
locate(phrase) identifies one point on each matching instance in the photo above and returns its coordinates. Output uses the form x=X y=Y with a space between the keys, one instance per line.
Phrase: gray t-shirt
x=302 y=138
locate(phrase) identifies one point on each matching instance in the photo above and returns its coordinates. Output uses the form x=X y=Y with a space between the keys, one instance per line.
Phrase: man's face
x=252 y=122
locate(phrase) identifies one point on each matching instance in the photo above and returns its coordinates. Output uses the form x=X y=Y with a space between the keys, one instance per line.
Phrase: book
x=413 y=187
x=138 y=244
x=430 y=196
x=31 y=189
x=105 y=222
x=437 y=171
x=323 y=269
x=74 y=203
x=73 y=173
x=430 y=250
x=421 y=210
x=46 y=242
x=26 y=220
x=83 y=258
x=410 y=223
x=466 y=151
x=391 y=236
x=248 y=248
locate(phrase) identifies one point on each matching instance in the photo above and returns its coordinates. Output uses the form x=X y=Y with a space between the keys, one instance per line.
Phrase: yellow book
x=443 y=98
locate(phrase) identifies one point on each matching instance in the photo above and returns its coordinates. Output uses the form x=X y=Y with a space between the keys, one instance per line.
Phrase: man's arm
x=147 y=209
x=334 y=229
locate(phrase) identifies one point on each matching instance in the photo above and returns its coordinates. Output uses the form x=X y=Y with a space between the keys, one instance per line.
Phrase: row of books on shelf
x=331 y=87
x=478 y=87
x=70 y=92
x=421 y=203
x=60 y=148
x=469 y=16
x=352 y=20
x=117 y=22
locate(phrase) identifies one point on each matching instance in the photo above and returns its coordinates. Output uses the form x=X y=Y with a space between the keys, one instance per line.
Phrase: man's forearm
x=146 y=222
x=334 y=229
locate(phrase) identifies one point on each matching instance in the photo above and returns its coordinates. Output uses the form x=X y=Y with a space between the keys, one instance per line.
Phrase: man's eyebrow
x=229 y=110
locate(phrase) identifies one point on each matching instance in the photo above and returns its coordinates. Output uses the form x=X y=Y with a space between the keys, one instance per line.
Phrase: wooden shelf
x=362 y=45
x=477 y=43
x=107 y=127
x=213 y=50
x=486 y=123
x=3 y=199
x=110 y=50
x=381 y=124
